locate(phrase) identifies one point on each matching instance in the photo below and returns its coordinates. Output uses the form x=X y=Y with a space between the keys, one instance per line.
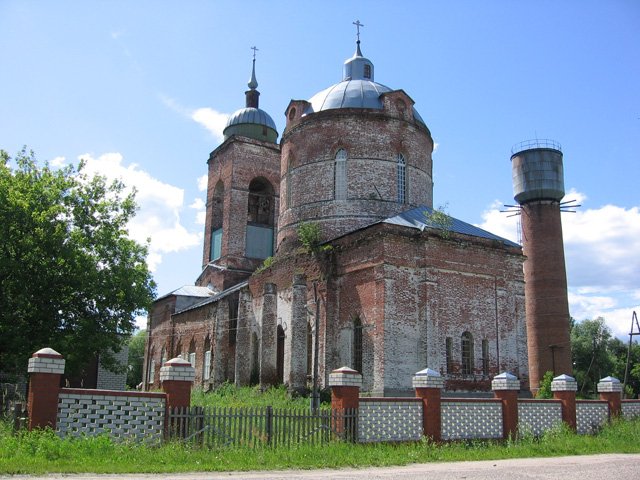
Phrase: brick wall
x=108 y=380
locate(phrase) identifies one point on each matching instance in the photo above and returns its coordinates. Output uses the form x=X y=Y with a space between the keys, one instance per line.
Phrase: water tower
x=538 y=187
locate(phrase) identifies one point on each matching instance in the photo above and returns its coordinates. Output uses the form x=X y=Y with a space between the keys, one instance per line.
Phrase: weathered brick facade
x=395 y=295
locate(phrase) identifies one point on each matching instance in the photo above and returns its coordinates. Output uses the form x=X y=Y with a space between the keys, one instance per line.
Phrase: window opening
x=367 y=70
x=402 y=179
x=206 y=364
x=340 y=175
x=357 y=345
x=449 y=354
x=485 y=357
x=467 y=353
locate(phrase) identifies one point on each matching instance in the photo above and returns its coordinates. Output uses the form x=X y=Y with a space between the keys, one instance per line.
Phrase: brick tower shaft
x=546 y=302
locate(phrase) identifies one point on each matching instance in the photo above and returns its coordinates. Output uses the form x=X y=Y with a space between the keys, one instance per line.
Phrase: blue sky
x=142 y=91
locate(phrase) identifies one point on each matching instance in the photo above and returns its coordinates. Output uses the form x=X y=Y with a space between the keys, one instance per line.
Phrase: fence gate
x=264 y=426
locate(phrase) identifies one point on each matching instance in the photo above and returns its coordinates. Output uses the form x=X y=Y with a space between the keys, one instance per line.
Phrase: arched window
x=260 y=219
x=357 y=345
x=206 y=363
x=367 y=70
x=217 y=202
x=233 y=318
x=402 y=179
x=340 y=175
x=467 y=353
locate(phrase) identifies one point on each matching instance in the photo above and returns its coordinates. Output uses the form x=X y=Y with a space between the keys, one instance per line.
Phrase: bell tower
x=242 y=195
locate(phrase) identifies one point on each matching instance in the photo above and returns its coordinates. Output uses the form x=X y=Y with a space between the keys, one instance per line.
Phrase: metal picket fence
x=257 y=427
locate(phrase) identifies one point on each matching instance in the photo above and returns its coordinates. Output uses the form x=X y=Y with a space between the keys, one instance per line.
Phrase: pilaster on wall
x=505 y=388
x=243 y=341
x=564 y=388
x=46 y=367
x=268 y=337
x=610 y=390
x=428 y=385
x=298 y=369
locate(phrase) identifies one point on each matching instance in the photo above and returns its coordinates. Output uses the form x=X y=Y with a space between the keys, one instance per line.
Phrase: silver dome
x=351 y=94
x=255 y=116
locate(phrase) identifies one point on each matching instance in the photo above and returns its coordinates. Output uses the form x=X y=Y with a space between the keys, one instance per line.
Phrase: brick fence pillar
x=610 y=390
x=46 y=367
x=564 y=388
x=345 y=386
x=506 y=387
x=176 y=378
x=428 y=385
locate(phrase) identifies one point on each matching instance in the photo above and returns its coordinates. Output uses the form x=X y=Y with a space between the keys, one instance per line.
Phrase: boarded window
x=216 y=244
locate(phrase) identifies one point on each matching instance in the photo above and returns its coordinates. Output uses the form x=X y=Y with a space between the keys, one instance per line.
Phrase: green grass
x=41 y=452
x=228 y=395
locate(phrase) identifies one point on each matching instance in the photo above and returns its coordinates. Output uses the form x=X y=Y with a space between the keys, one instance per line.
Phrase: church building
x=329 y=238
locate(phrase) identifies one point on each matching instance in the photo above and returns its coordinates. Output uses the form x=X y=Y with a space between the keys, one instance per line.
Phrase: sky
x=141 y=91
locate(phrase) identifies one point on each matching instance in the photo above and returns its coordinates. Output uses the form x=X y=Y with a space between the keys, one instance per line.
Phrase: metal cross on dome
x=358 y=25
x=255 y=49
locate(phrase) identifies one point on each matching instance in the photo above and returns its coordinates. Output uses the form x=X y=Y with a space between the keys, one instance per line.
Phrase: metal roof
x=419 y=218
x=190 y=291
x=216 y=297
x=255 y=116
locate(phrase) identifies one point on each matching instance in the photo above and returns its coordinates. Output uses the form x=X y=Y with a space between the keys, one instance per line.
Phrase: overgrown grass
x=41 y=452
x=228 y=395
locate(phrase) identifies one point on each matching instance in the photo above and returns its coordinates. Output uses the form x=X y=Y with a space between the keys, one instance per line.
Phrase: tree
x=596 y=354
x=70 y=277
x=136 y=358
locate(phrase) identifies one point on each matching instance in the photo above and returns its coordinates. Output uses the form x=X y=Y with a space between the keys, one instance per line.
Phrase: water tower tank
x=536 y=167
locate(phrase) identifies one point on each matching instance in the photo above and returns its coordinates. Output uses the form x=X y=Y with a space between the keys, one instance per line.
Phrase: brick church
x=389 y=286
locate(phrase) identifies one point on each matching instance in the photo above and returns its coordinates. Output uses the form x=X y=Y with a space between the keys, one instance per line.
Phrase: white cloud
x=198 y=204
x=209 y=118
x=602 y=254
x=58 y=162
x=160 y=205
x=202 y=182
